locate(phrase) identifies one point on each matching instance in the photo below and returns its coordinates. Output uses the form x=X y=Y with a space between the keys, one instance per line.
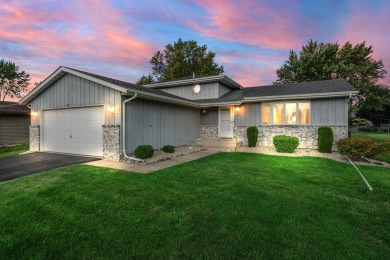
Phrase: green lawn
x=13 y=150
x=225 y=206
x=377 y=138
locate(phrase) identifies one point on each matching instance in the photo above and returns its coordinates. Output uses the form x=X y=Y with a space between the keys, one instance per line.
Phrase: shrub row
x=358 y=147
x=146 y=151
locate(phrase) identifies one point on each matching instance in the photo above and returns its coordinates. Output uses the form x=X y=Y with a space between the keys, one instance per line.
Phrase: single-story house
x=14 y=123
x=83 y=113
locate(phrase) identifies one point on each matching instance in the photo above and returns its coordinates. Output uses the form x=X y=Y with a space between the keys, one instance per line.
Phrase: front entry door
x=226 y=122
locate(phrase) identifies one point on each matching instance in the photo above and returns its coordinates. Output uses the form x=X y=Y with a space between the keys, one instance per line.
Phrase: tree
x=145 y=80
x=355 y=64
x=13 y=83
x=376 y=106
x=182 y=59
x=323 y=61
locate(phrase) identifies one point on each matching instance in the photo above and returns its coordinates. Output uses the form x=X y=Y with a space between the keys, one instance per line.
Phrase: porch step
x=225 y=144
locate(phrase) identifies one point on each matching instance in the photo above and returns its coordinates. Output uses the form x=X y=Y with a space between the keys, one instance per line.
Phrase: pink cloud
x=361 y=25
x=249 y=23
x=92 y=32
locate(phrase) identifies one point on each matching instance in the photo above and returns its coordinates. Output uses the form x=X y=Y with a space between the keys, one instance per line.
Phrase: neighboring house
x=84 y=113
x=14 y=123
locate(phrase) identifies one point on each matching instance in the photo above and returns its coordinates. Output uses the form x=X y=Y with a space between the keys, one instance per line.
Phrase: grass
x=377 y=138
x=13 y=150
x=225 y=206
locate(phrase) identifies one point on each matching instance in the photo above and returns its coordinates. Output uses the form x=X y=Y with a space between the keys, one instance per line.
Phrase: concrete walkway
x=139 y=168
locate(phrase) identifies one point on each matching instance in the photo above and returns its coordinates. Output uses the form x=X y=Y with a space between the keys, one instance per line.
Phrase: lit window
x=278 y=114
x=304 y=113
x=289 y=113
x=266 y=114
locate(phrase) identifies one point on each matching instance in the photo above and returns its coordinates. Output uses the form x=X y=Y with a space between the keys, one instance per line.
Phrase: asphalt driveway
x=21 y=165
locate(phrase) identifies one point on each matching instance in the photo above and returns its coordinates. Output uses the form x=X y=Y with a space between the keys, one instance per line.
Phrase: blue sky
x=117 y=38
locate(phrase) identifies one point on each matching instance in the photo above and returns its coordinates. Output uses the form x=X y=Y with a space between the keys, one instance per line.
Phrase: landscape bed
x=228 y=205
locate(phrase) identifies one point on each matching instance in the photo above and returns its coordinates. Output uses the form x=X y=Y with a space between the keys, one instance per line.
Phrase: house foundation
x=34 y=138
x=111 y=142
x=307 y=135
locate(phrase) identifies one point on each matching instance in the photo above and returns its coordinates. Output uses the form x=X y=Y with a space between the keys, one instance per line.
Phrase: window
x=266 y=114
x=287 y=113
x=278 y=114
x=304 y=113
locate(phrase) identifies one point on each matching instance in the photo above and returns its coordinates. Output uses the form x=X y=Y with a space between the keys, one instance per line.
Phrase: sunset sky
x=117 y=38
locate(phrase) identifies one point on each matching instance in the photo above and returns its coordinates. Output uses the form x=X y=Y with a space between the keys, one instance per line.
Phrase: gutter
x=124 y=129
x=286 y=97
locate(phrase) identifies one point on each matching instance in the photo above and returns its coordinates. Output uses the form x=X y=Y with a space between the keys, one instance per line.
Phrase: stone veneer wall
x=307 y=135
x=34 y=138
x=111 y=142
x=208 y=132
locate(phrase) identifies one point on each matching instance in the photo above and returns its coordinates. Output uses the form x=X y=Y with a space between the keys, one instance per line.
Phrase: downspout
x=124 y=129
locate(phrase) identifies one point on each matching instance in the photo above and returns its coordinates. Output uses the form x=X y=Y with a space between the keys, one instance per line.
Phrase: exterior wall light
x=238 y=109
x=204 y=111
x=34 y=114
x=111 y=110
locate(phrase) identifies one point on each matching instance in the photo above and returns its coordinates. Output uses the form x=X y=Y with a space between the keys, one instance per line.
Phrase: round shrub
x=252 y=133
x=325 y=139
x=168 y=149
x=358 y=147
x=285 y=144
x=144 y=151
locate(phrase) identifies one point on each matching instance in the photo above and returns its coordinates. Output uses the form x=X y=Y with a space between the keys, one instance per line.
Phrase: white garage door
x=74 y=130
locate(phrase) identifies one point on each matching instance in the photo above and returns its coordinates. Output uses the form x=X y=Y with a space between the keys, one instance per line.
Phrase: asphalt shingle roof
x=12 y=108
x=301 y=88
x=128 y=85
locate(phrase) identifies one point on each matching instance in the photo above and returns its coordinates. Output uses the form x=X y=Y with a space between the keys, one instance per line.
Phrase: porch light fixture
x=34 y=114
x=204 y=111
x=237 y=109
x=111 y=110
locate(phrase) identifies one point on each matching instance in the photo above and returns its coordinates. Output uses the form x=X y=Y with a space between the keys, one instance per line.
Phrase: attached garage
x=73 y=130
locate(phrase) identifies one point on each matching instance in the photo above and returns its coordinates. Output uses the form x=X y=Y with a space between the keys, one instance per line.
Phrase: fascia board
x=311 y=96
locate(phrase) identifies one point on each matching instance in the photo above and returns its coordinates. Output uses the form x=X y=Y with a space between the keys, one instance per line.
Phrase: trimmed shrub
x=252 y=133
x=363 y=129
x=144 y=151
x=168 y=149
x=325 y=139
x=358 y=147
x=285 y=144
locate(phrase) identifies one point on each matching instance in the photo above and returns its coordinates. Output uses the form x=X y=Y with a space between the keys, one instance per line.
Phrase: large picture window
x=286 y=113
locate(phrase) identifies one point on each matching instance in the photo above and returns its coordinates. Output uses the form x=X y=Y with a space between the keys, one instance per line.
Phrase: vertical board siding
x=210 y=117
x=329 y=111
x=208 y=90
x=14 y=129
x=223 y=90
x=159 y=124
x=249 y=114
x=73 y=91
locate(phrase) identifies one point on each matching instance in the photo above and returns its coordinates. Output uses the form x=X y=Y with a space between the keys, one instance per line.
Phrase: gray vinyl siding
x=223 y=90
x=73 y=91
x=14 y=129
x=159 y=124
x=249 y=115
x=210 y=117
x=208 y=90
x=332 y=111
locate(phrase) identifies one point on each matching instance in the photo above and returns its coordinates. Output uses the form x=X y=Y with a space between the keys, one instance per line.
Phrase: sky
x=251 y=39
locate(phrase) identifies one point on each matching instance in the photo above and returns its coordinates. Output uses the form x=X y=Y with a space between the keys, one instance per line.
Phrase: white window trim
x=284 y=111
